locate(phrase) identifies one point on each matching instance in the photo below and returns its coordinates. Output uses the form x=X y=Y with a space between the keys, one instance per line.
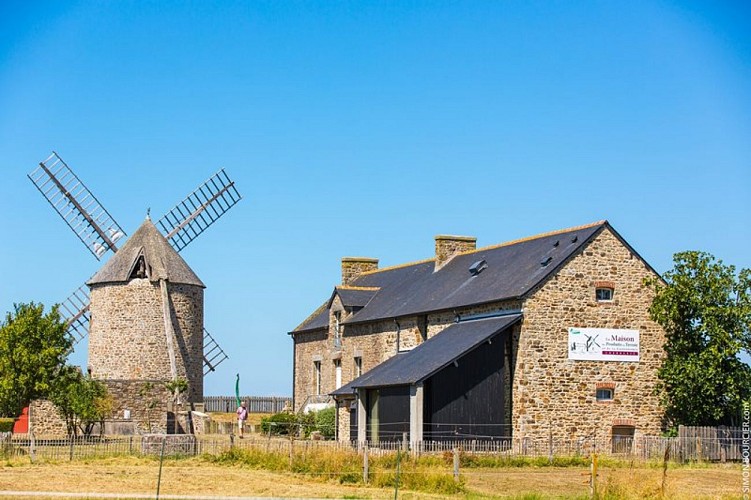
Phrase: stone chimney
x=446 y=246
x=352 y=267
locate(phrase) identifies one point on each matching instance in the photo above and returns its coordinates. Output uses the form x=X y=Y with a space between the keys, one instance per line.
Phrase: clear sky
x=365 y=129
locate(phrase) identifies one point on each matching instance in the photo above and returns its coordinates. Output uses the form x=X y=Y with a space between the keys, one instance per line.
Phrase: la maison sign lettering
x=603 y=344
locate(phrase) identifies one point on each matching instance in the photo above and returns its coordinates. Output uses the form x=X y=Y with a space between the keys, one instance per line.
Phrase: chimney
x=446 y=246
x=352 y=267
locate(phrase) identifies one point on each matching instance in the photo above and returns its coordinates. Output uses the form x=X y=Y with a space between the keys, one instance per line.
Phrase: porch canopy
x=415 y=366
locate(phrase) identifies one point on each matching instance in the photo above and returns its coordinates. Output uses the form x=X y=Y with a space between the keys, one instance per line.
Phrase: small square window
x=604 y=294
x=604 y=394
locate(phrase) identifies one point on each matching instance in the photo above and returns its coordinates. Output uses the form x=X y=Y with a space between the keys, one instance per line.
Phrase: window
x=604 y=394
x=358 y=366
x=338 y=372
x=337 y=330
x=604 y=294
x=317 y=376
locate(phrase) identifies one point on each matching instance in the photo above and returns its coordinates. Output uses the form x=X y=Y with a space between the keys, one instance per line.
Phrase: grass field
x=205 y=477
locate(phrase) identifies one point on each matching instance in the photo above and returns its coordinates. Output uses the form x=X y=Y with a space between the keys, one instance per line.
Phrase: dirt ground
x=193 y=477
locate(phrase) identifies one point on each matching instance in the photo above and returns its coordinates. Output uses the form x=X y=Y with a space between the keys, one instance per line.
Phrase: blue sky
x=366 y=128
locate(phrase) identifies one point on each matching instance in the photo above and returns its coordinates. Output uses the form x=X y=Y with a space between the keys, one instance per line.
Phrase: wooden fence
x=255 y=404
x=712 y=443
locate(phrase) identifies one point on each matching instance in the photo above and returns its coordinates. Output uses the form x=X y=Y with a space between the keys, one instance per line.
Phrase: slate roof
x=316 y=321
x=354 y=296
x=164 y=261
x=431 y=356
x=513 y=269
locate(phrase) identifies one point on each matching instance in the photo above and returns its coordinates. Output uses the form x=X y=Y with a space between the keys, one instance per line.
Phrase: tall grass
x=416 y=474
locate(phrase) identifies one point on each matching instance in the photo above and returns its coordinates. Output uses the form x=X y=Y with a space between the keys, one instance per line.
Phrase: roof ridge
x=350 y=287
x=534 y=237
x=398 y=266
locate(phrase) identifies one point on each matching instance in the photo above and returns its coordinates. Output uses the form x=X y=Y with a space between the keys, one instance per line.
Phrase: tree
x=82 y=401
x=705 y=308
x=33 y=349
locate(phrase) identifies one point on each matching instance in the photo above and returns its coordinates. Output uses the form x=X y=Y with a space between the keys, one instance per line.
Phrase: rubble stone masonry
x=552 y=394
x=127 y=340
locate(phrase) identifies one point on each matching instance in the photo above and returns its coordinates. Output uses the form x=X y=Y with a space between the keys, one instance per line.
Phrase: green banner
x=237 y=389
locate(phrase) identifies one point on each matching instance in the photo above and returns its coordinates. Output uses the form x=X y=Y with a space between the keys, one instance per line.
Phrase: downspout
x=294 y=370
x=398 y=335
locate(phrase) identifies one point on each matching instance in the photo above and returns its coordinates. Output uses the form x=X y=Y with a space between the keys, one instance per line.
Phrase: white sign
x=603 y=344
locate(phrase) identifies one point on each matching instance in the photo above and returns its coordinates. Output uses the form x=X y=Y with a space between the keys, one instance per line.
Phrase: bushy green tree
x=33 y=349
x=705 y=308
x=82 y=401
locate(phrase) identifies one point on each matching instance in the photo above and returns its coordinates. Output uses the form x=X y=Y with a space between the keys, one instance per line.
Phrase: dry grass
x=197 y=476
x=253 y=418
x=715 y=482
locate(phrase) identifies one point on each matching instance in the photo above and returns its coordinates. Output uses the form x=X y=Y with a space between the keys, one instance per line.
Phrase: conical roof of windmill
x=160 y=261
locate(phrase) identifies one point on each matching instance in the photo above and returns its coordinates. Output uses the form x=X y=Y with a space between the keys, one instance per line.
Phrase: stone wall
x=144 y=403
x=127 y=340
x=45 y=420
x=554 y=394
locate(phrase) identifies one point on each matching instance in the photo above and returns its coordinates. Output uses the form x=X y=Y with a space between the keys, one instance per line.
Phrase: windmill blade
x=78 y=207
x=75 y=310
x=199 y=210
x=213 y=355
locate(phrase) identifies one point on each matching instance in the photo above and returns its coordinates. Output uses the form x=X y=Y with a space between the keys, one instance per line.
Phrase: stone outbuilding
x=544 y=337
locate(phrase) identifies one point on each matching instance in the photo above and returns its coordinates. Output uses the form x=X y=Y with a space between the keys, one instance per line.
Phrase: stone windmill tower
x=146 y=321
x=145 y=310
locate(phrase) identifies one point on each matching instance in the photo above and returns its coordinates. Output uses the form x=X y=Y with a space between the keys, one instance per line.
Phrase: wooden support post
x=550 y=444
x=32 y=446
x=365 y=476
x=456 y=464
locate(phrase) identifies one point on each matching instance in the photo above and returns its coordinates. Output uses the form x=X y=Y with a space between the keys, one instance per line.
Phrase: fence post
x=456 y=464
x=130 y=446
x=72 y=441
x=550 y=444
x=32 y=447
x=593 y=477
x=405 y=442
x=365 y=475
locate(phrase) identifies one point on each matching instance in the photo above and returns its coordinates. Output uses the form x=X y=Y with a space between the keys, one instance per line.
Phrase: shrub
x=279 y=424
x=6 y=424
x=325 y=421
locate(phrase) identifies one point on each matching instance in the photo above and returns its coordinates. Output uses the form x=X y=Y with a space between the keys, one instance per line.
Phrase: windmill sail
x=75 y=311
x=199 y=210
x=78 y=207
x=212 y=353
x=99 y=232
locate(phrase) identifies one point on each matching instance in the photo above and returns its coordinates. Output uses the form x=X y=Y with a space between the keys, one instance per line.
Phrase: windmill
x=100 y=233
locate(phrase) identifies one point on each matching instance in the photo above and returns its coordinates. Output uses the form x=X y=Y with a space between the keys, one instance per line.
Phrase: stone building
x=544 y=336
x=147 y=330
